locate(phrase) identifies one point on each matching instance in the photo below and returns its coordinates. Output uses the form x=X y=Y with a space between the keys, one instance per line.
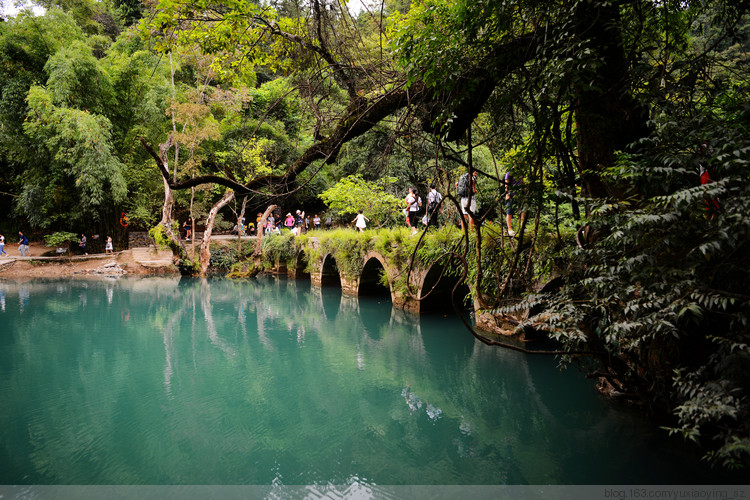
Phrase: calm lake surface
x=270 y=381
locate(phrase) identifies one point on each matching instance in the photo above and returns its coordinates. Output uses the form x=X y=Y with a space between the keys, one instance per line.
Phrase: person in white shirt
x=361 y=221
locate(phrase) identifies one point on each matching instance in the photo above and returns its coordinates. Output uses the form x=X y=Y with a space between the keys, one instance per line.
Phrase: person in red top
x=712 y=204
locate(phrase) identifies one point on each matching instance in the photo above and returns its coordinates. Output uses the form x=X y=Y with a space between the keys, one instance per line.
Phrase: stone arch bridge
x=430 y=287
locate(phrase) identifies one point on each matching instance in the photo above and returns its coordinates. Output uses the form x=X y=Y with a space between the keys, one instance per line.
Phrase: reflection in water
x=330 y=300
x=374 y=322
x=168 y=380
x=23 y=297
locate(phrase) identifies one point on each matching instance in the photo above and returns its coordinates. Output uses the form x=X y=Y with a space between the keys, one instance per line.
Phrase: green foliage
x=662 y=296
x=223 y=257
x=159 y=236
x=243 y=269
x=76 y=80
x=278 y=248
x=60 y=238
x=221 y=38
x=143 y=211
x=83 y=167
x=352 y=194
x=348 y=248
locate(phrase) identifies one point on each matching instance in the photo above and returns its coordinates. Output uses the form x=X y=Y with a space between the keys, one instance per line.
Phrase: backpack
x=433 y=201
x=463 y=186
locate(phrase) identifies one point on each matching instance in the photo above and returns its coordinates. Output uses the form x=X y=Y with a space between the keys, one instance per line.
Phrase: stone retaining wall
x=139 y=239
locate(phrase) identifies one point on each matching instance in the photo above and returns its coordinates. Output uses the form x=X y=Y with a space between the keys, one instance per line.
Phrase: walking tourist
x=82 y=244
x=188 y=227
x=23 y=245
x=413 y=202
x=466 y=188
x=433 y=202
x=108 y=247
x=361 y=221
x=2 y=245
x=316 y=221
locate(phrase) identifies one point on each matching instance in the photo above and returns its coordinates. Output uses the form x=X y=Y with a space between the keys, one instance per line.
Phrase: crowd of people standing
x=296 y=223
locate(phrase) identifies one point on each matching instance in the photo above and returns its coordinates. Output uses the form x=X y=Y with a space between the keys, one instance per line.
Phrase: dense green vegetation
x=608 y=111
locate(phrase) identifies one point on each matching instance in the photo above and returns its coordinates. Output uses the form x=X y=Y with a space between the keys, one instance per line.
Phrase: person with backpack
x=23 y=245
x=413 y=202
x=466 y=188
x=433 y=202
x=299 y=221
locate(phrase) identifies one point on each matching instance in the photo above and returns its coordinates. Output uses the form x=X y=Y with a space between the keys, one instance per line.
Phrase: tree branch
x=360 y=116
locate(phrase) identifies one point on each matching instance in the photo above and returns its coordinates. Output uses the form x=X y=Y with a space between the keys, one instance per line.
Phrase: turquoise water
x=269 y=381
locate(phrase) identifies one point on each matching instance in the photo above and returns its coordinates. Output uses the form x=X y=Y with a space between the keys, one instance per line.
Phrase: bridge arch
x=329 y=272
x=300 y=265
x=280 y=267
x=370 y=279
x=436 y=290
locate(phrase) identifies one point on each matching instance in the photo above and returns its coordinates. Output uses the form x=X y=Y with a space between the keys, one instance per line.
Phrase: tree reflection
x=219 y=381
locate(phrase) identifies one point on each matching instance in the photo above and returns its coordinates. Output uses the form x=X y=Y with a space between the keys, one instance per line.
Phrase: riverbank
x=135 y=261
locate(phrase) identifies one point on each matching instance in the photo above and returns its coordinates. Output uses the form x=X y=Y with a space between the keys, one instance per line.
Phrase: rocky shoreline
x=136 y=261
x=110 y=269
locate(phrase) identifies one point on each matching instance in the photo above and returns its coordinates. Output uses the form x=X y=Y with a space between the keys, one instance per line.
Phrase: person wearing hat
x=299 y=220
x=289 y=221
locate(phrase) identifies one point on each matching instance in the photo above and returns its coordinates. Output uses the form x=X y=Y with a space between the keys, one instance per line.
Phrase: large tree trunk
x=239 y=220
x=258 y=252
x=166 y=210
x=608 y=118
x=179 y=251
x=162 y=159
x=205 y=252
